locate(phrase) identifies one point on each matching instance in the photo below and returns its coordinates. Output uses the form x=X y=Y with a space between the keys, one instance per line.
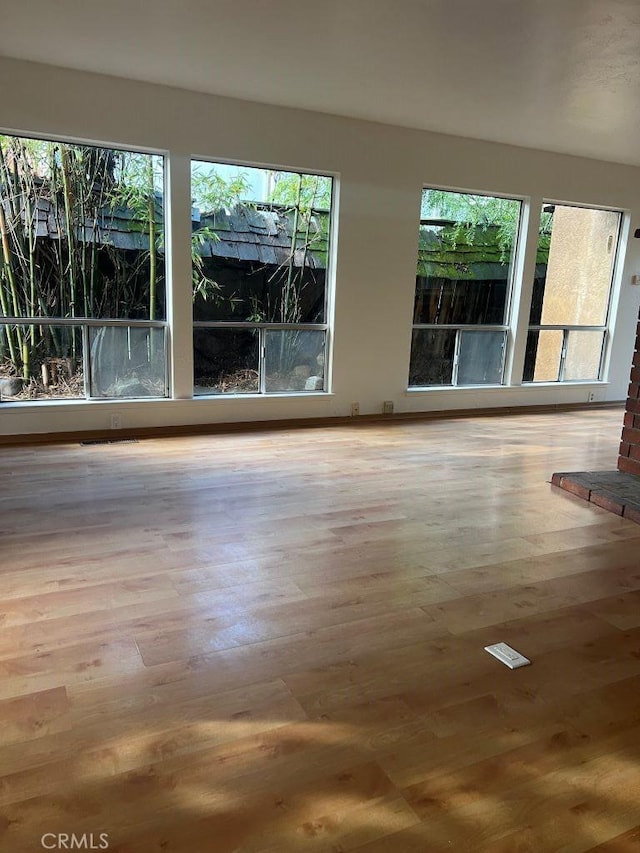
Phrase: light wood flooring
x=273 y=642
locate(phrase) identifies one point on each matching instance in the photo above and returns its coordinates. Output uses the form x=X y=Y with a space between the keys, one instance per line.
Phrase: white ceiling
x=560 y=75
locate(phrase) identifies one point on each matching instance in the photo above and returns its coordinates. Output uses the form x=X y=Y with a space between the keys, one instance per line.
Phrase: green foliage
x=204 y=286
x=306 y=191
x=138 y=181
x=544 y=237
x=213 y=192
x=471 y=215
x=299 y=202
x=79 y=191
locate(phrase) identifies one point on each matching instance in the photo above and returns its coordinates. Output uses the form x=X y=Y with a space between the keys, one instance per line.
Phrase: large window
x=260 y=279
x=567 y=324
x=82 y=292
x=463 y=287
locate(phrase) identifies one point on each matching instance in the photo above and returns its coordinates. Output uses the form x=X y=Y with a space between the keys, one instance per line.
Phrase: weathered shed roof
x=118 y=226
x=261 y=234
x=264 y=235
x=446 y=253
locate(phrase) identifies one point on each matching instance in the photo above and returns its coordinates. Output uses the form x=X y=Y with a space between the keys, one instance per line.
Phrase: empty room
x=319 y=381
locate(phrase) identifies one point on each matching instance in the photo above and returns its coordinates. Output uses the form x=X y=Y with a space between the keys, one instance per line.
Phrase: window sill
x=274 y=395
x=429 y=389
x=597 y=383
x=35 y=405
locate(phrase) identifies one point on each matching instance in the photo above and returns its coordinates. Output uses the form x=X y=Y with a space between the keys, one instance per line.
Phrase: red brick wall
x=629 y=458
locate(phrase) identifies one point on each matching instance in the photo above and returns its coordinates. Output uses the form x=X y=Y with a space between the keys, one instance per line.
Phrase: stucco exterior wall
x=581 y=257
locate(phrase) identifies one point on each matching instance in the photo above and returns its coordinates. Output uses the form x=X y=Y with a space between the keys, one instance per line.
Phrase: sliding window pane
x=481 y=358
x=127 y=361
x=576 y=255
x=294 y=360
x=584 y=351
x=465 y=258
x=51 y=356
x=260 y=244
x=544 y=351
x=87 y=223
x=432 y=356
x=225 y=361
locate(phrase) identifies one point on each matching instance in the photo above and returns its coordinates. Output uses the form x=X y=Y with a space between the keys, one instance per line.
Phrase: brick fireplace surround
x=617 y=491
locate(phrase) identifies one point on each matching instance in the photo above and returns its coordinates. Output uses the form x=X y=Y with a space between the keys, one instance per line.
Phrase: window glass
x=127 y=361
x=459 y=301
x=432 y=357
x=260 y=256
x=576 y=256
x=260 y=244
x=481 y=358
x=82 y=239
x=584 y=350
x=52 y=356
x=543 y=354
x=465 y=257
x=226 y=361
x=294 y=360
x=464 y=276
x=576 y=253
x=85 y=230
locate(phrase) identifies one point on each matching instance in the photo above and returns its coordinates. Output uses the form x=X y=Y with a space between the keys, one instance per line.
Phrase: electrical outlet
x=591 y=397
x=355 y=409
x=116 y=421
x=387 y=407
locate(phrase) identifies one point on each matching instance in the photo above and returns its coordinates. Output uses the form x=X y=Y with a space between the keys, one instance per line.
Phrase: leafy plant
x=59 y=205
x=471 y=215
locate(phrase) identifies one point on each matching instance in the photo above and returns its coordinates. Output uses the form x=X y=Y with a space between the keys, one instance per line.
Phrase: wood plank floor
x=273 y=642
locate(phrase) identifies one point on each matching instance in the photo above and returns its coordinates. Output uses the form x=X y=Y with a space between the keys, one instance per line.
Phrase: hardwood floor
x=273 y=642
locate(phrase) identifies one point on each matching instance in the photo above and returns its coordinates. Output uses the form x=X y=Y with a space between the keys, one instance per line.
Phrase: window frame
x=84 y=323
x=567 y=328
x=263 y=327
x=459 y=328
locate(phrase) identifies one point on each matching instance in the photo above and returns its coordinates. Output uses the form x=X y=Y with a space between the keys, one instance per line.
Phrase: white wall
x=381 y=171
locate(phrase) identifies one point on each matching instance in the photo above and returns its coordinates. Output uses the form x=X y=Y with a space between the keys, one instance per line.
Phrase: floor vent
x=109 y=441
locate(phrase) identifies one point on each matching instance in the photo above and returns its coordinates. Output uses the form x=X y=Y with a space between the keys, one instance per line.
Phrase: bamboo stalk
x=30 y=226
x=4 y=303
x=8 y=331
x=152 y=243
x=68 y=215
x=294 y=240
x=82 y=253
x=6 y=257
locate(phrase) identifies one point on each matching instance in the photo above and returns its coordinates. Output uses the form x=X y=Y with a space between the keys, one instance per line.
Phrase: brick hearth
x=618 y=491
